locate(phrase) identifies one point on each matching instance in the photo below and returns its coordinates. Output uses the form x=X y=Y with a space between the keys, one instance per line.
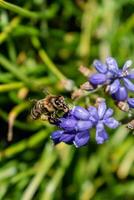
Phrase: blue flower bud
x=121 y=94
x=97 y=79
x=108 y=113
x=81 y=138
x=111 y=122
x=67 y=138
x=80 y=113
x=128 y=84
x=101 y=109
x=131 y=102
x=55 y=136
x=93 y=113
x=114 y=86
x=68 y=124
x=101 y=135
x=83 y=125
x=130 y=75
x=100 y=67
x=112 y=65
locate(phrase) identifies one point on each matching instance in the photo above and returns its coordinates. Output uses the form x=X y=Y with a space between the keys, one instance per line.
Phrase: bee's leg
x=52 y=118
x=56 y=114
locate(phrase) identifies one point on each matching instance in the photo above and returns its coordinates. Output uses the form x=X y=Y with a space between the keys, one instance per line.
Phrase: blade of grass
x=51 y=66
x=89 y=17
x=13 y=69
x=47 y=160
x=24 y=144
x=11 y=86
x=29 y=14
x=8 y=29
x=12 y=116
x=47 y=61
x=52 y=185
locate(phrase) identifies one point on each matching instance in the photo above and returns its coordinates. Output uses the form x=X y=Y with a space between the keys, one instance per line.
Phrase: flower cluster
x=118 y=81
x=76 y=125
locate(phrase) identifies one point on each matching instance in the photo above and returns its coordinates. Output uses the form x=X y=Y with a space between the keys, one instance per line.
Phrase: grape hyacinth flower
x=118 y=81
x=75 y=127
x=77 y=124
x=102 y=117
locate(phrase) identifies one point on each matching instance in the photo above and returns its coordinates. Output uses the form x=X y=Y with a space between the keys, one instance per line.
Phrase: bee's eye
x=57 y=102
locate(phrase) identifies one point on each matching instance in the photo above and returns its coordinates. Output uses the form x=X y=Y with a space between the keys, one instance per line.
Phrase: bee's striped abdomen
x=36 y=111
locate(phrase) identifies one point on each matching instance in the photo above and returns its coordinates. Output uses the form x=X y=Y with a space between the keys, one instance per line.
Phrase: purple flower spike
x=100 y=67
x=121 y=94
x=76 y=126
x=81 y=139
x=131 y=102
x=97 y=79
x=118 y=81
x=80 y=113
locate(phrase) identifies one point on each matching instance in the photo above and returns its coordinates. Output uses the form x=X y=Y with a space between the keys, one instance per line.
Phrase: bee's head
x=60 y=104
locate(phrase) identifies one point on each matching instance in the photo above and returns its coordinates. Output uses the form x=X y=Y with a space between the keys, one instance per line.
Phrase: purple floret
x=119 y=81
x=77 y=124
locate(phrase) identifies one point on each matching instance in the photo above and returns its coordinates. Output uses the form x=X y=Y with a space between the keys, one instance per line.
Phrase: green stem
x=26 y=13
x=50 y=65
x=88 y=19
x=13 y=69
x=47 y=160
x=24 y=144
x=32 y=84
x=11 y=86
x=53 y=184
x=8 y=29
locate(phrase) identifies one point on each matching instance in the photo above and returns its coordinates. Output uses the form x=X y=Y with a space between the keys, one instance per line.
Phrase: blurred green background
x=43 y=42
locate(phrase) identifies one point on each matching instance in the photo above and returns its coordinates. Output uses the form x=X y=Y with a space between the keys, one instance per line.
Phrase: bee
x=130 y=125
x=49 y=107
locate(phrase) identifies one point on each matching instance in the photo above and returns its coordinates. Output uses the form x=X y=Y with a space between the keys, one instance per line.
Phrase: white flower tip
x=75 y=144
x=95 y=61
x=128 y=63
